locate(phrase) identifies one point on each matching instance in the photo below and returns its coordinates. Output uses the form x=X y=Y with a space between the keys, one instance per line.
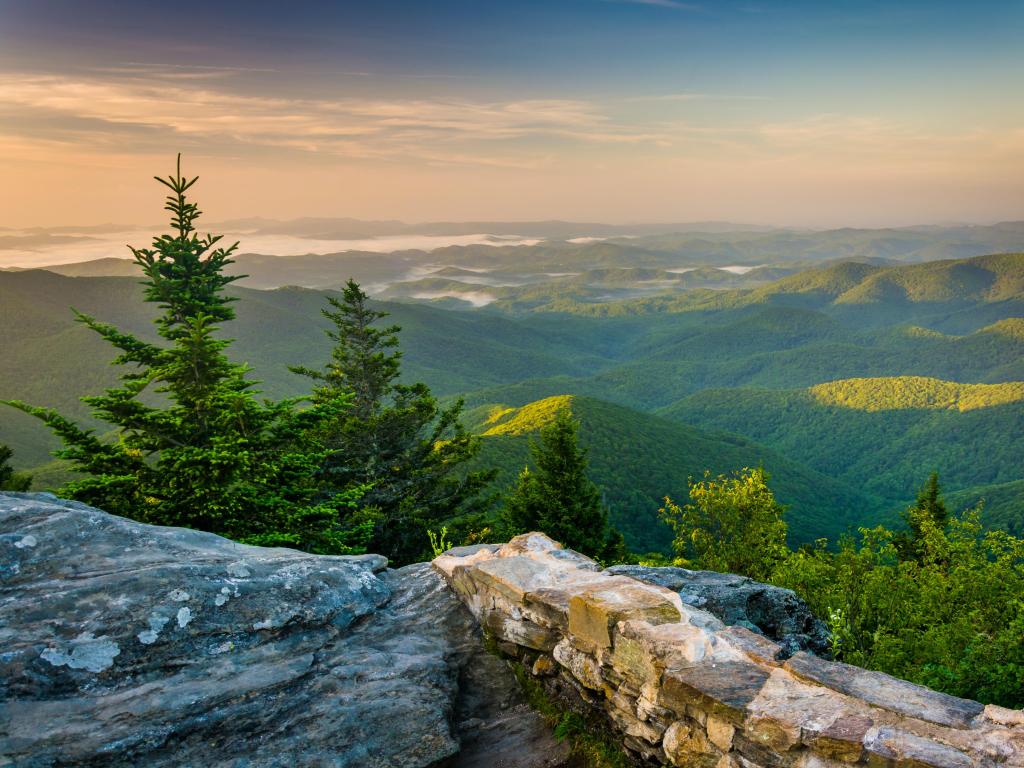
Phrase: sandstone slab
x=594 y=613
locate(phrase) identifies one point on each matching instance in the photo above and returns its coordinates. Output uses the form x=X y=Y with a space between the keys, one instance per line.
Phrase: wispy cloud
x=127 y=108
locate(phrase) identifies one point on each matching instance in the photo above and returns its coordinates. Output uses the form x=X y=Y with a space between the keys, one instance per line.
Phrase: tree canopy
x=395 y=445
x=192 y=445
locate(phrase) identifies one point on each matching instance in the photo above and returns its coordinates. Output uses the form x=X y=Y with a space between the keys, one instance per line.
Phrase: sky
x=818 y=114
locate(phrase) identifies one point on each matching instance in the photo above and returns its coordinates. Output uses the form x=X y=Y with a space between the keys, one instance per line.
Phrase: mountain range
x=849 y=381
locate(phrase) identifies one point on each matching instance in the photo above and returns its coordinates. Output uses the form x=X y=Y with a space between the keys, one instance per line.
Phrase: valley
x=848 y=380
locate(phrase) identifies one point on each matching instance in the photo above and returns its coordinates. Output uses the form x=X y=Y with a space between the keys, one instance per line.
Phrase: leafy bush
x=940 y=604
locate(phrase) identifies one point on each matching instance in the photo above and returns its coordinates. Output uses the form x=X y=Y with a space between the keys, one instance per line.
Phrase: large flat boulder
x=125 y=644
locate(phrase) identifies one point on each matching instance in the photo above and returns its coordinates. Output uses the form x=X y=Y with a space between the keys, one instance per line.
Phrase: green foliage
x=636 y=459
x=732 y=525
x=590 y=742
x=928 y=513
x=951 y=619
x=948 y=616
x=9 y=479
x=976 y=450
x=901 y=392
x=559 y=498
x=393 y=444
x=192 y=444
x=646 y=355
x=439 y=543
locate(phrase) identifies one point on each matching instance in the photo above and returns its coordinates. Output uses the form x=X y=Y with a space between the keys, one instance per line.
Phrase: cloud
x=144 y=112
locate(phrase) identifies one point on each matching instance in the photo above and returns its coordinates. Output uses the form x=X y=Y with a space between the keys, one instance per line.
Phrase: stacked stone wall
x=683 y=689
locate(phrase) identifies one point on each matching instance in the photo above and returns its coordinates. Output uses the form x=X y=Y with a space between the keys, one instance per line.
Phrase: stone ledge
x=682 y=688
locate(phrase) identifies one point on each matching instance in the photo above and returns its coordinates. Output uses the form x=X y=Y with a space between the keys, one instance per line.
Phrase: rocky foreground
x=124 y=644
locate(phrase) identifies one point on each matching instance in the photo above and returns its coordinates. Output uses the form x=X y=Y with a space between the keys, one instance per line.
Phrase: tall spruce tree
x=928 y=513
x=559 y=499
x=194 y=446
x=395 y=442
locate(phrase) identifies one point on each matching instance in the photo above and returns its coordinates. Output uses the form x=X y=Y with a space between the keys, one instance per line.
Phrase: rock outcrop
x=682 y=688
x=737 y=600
x=127 y=644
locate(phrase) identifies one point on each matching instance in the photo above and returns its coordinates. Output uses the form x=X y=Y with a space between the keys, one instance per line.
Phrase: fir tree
x=558 y=498
x=194 y=446
x=395 y=441
x=927 y=514
x=9 y=479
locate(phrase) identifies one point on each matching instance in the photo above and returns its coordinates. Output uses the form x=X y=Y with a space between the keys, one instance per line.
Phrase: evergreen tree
x=395 y=441
x=194 y=446
x=928 y=513
x=9 y=479
x=559 y=499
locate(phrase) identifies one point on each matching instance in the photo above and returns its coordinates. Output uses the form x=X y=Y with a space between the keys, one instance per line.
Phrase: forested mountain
x=758 y=361
x=637 y=459
x=884 y=434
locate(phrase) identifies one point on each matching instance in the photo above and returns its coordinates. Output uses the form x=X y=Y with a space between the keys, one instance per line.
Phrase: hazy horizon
x=788 y=114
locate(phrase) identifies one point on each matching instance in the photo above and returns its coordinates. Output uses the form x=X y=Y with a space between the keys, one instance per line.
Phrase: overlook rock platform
x=685 y=689
x=124 y=644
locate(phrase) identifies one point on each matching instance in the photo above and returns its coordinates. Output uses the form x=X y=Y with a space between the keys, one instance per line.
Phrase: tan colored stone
x=686 y=744
x=669 y=644
x=544 y=666
x=780 y=734
x=628 y=723
x=813 y=760
x=886 y=692
x=549 y=606
x=583 y=667
x=892 y=746
x=447 y=563
x=537 y=546
x=843 y=739
x=594 y=613
x=631 y=660
x=511 y=577
x=1013 y=718
x=788 y=711
x=757 y=647
x=722 y=689
x=719 y=697
x=720 y=733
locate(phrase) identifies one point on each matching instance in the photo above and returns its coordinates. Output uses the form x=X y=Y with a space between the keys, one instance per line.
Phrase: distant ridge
x=637 y=459
x=905 y=392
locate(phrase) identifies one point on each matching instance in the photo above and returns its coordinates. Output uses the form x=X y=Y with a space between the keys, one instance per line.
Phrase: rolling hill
x=743 y=364
x=637 y=459
x=886 y=434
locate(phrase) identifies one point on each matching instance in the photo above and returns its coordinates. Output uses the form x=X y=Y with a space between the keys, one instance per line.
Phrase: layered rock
x=772 y=611
x=127 y=644
x=682 y=688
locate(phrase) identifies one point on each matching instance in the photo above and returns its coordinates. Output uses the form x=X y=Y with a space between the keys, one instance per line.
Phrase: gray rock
x=737 y=600
x=887 y=692
x=126 y=644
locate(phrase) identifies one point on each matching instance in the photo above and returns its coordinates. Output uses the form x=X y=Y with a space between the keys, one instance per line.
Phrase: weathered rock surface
x=737 y=600
x=681 y=688
x=126 y=644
